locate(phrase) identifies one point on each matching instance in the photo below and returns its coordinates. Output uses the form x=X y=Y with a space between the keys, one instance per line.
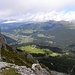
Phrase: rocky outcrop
x=23 y=70
x=39 y=70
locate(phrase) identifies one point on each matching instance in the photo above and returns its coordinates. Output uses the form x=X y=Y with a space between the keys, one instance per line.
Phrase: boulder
x=39 y=70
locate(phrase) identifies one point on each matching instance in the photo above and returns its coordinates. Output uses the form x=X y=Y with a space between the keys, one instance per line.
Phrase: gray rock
x=29 y=56
x=3 y=65
x=39 y=70
x=23 y=70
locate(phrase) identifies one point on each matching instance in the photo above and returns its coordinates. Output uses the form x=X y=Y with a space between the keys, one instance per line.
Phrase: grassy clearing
x=36 y=50
x=28 y=31
x=54 y=54
x=32 y=49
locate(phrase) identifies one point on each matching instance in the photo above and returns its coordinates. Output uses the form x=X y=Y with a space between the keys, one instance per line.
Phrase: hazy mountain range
x=54 y=33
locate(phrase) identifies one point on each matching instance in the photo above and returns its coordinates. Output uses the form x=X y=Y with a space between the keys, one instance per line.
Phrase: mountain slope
x=25 y=64
x=10 y=40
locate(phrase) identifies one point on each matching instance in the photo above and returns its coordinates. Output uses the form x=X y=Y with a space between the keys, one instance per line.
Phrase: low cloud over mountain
x=41 y=17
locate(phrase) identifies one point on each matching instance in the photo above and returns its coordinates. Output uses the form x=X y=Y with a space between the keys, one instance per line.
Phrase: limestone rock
x=23 y=70
x=39 y=70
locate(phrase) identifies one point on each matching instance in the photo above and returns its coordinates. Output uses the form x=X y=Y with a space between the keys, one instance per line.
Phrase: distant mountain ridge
x=9 y=26
x=54 y=33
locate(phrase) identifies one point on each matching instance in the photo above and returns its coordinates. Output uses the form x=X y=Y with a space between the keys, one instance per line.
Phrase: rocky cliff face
x=2 y=44
x=2 y=41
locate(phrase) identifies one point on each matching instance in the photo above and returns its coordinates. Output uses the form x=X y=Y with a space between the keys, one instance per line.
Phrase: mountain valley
x=52 y=43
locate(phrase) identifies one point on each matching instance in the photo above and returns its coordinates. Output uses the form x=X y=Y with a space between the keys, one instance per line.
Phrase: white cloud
x=40 y=17
x=10 y=21
x=36 y=9
x=54 y=15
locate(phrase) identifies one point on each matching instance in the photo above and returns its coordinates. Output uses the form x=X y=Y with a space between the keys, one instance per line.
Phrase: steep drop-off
x=14 y=63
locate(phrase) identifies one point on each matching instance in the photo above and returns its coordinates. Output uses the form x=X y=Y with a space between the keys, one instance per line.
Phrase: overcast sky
x=19 y=8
